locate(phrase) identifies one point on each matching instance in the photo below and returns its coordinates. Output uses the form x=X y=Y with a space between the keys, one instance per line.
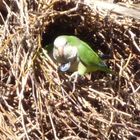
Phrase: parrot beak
x=64 y=67
x=61 y=51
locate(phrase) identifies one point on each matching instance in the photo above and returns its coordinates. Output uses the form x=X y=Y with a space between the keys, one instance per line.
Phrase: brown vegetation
x=38 y=102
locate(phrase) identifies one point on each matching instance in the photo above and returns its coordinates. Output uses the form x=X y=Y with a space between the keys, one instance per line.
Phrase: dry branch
x=117 y=8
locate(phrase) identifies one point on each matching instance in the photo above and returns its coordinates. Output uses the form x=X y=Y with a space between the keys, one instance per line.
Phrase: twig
x=54 y=131
x=133 y=40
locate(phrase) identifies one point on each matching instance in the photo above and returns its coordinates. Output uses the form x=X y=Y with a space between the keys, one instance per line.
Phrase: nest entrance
x=81 y=22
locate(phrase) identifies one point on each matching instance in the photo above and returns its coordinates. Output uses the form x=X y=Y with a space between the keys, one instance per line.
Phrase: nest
x=38 y=102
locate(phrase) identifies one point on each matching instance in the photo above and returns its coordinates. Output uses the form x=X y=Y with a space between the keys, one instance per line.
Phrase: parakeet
x=77 y=56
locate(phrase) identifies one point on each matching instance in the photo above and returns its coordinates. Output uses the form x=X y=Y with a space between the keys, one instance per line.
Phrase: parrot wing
x=88 y=56
x=91 y=59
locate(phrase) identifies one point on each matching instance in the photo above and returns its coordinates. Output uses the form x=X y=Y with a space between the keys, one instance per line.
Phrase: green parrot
x=76 y=56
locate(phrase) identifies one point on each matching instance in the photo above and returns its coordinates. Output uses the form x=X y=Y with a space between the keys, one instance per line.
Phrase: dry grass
x=37 y=102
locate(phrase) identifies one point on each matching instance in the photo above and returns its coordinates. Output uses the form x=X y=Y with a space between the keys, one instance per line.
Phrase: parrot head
x=64 y=53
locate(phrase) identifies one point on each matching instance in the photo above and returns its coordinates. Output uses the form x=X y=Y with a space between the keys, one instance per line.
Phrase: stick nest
x=38 y=102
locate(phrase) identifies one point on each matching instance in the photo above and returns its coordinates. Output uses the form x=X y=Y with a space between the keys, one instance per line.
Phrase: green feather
x=49 y=48
x=86 y=59
x=87 y=56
